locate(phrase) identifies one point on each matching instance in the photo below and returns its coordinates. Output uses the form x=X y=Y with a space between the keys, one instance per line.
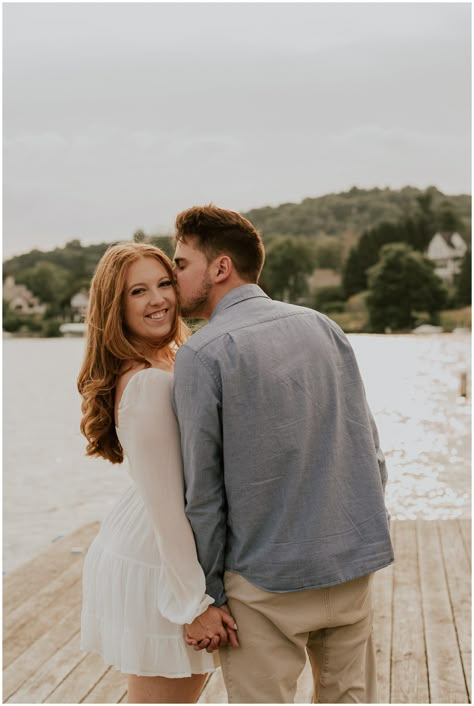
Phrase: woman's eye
x=166 y=283
x=137 y=291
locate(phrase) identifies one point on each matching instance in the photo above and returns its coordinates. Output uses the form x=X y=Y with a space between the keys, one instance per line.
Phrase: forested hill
x=337 y=219
x=352 y=212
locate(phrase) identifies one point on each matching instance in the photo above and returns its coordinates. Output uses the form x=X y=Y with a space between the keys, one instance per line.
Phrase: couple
x=256 y=516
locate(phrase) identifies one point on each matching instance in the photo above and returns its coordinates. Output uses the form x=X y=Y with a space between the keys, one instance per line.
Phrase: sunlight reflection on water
x=413 y=386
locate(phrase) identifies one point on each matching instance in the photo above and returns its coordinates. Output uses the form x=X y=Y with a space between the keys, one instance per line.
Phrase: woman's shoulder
x=138 y=380
x=142 y=376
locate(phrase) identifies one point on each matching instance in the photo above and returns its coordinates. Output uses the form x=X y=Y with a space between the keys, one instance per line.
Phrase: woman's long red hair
x=109 y=348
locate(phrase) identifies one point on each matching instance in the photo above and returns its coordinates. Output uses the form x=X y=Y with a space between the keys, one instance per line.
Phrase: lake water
x=50 y=488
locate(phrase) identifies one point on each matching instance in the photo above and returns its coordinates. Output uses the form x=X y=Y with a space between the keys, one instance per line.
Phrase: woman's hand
x=212 y=629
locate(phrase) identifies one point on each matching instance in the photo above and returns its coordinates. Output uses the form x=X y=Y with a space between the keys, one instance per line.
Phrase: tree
x=463 y=281
x=328 y=251
x=139 y=236
x=402 y=283
x=416 y=232
x=288 y=263
x=165 y=243
x=447 y=220
x=353 y=276
x=366 y=253
x=49 y=282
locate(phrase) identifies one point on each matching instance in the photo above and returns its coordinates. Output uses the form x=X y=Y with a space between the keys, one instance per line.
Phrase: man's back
x=279 y=445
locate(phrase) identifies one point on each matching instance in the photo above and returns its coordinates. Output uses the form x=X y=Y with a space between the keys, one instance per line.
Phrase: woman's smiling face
x=150 y=300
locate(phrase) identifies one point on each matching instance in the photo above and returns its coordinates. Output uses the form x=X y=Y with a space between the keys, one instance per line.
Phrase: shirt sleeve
x=379 y=454
x=342 y=338
x=197 y=399
x=378 y=451
x=149 y=426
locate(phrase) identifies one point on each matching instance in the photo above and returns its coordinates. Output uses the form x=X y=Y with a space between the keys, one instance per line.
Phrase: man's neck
x=218 y=293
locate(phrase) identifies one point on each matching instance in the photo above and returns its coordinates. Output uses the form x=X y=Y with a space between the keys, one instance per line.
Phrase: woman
x=142 y=581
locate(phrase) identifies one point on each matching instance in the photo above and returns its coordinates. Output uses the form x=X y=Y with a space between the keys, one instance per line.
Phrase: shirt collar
x=237 y=295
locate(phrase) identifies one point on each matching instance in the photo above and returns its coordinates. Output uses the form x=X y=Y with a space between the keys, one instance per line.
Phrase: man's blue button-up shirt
x=284 y=474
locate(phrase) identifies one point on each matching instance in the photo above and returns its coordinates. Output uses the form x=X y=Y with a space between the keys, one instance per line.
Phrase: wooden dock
x=422 y=624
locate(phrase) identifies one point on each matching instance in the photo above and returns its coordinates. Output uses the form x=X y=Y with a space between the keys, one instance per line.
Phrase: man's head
x=216 y=251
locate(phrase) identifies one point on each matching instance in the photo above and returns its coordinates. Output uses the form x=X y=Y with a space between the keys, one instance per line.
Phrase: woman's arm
x=150 y=432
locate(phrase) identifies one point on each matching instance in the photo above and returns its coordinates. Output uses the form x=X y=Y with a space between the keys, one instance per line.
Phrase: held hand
x=231 y=627
x=212 y=629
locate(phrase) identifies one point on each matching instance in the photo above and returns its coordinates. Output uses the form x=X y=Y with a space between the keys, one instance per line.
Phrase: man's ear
x=223 y=266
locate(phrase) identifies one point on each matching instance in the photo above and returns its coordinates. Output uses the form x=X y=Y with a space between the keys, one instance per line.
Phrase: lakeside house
x=20 y=299
x=447 y=250
x=78 y=304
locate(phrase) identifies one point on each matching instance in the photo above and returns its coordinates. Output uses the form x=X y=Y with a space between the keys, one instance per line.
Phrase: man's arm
x=198 y=406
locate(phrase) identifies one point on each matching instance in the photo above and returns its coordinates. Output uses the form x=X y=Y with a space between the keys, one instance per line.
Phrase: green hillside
x=343 y=232
x=350 y=213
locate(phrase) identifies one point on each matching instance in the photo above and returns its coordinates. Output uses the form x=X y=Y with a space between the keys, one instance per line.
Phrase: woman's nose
x=157 y=296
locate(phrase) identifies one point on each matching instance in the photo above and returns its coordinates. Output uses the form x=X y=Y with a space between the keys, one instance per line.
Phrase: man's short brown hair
x=220 y=232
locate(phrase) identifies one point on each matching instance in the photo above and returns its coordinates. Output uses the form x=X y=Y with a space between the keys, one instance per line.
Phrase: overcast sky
x=117 y=116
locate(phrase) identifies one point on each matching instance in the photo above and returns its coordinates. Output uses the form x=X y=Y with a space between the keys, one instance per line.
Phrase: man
x=284 y=475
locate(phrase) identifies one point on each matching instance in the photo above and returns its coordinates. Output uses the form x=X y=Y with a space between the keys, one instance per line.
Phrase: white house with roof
x=78 y=303
x=20 y=299
x=446 y=250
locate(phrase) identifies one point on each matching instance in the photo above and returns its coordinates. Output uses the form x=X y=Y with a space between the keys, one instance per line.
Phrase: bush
x=51 y=329
x=17 y=323
x=332 y=308
x=11 y=324
x=328 y=299
x=350 y=322
x=328 y=294
x=457 y=318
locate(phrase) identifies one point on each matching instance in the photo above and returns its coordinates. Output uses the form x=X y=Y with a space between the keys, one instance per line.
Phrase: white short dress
x=141 y=579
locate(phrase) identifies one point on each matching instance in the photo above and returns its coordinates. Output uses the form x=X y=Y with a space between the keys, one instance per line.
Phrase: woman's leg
x=161 y=690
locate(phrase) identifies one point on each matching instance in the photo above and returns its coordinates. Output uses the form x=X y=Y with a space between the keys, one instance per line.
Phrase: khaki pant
x=276 y=630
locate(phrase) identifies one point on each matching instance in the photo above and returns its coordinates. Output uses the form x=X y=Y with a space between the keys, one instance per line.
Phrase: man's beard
x=197 y=303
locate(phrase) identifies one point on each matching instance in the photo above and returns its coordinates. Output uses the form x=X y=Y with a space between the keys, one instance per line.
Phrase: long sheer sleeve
x=148 y=430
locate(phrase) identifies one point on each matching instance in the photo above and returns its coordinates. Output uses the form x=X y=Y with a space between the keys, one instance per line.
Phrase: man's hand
x=212 y=629
x=231 y=628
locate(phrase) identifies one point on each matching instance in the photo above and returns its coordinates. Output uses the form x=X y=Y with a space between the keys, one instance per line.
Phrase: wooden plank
x=409 y=668
x=24 y=582
x=43 y=662
x=446 y=678
x=382 y=598
x=37 y=688
x=37 y=604
x=457 y=572
x=40 y=651
x=109 y=690
x=466 y=532
x=79 y=682
x=29 y=632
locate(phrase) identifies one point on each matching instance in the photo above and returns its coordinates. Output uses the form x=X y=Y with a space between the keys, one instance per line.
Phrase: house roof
x=448 y=235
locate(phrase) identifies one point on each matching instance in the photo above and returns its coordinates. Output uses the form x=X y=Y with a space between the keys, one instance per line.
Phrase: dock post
x=463 y=384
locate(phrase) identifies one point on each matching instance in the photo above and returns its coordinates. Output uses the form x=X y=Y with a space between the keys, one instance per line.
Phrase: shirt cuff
x=216 y=589
x=203 y=606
